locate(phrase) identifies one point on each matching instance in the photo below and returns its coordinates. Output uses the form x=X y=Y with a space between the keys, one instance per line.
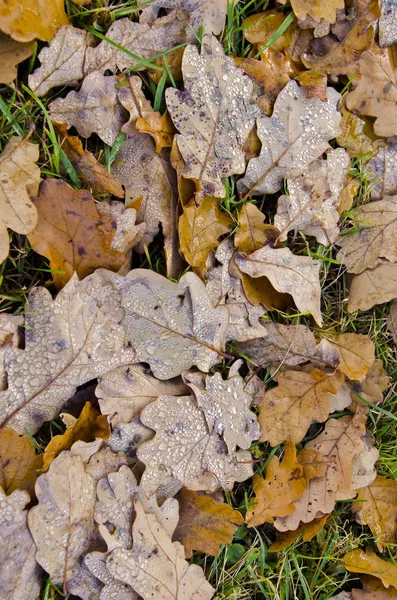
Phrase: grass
x=245 y=569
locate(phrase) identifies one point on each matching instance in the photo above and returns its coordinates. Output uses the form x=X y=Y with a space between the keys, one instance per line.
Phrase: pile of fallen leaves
x=175 y=364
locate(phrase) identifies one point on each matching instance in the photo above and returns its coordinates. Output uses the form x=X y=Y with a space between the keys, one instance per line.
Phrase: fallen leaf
x=19 y=572
x=90 y=425
x=62 y=524
x=307 y=530
x=18 y=170
x=155 y=567
x=376 y=92
x=356 y=354
x=206 y=14
x=213 y=115
x=315 y=83
x=274 y=495
x=127 y=437
x=226 y=406
x=373 y=589
x=11 y=54
x=95 y=108
x=387 y=24
x=357 y=134
x=317 y=10
x=372 y=387
x=381 y=169
x=25 y=20
x=376 y=506
x=289 y=345
x=19 y=464
x=71 y=233
x=287 y=411
x=288 y=273
x=374 y=240
x=96 y=563
x=253 y=233
x=364 y=471
x=373 y=286
x=311 y=206
x=68 y=341
x=360 y=561
x=183 y=448
x=200 y=227
x=9 y=336
x=125 y=391
x=296 y=134
x=204 y=524
x=131 y=96
x=159 y=127
x=392 y=320
x=62 y=63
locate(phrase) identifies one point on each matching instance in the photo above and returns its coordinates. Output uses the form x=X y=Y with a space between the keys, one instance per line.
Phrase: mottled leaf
x=317 y=9
x=360 y=561
x=252 y=233
x=25 y=20
x=208 y=14
x=9 y=337
x=387 y=23
x=357 y=135
x=382 y=170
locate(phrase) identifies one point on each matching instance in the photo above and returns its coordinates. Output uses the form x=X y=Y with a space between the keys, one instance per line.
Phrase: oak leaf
x=214 y=116
x=288 y=273
x=387 y=24
x=356 y=354
x=19 y=571
x=287 y=411
x=200 y=227
x=382 y=170
x=9 y=337
x=376 y=506
x=360 y=561
x=18 y=170
x=185 y=449
x=274 y=495
x=371 y=388
x=25 y=20
x=11 y=54
x=71 y=233
x=159 y=127
x=155 y=567
x=314 y=82
x=296 y=134
x=68 y=341
x=19 y=464
x=364 y=471
x=131 y=96
x=62 y=524
x=373 y=286
x=204 y=524
x=253 y=233
x=307 y=530
x=317 y=9
x=112 y=588
x=208 y=14
x=373 y=589
x=392 y=320
x=357 y=135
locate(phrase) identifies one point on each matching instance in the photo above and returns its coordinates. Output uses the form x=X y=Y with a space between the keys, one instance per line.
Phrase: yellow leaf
x=90 y=425
x=274 y=495
x=356 y=354
x=306 y=530
x=18 y=461
x=204 y=524
x=160 y=127
x=25 y=20
x=253 y=233
x=369 y=563
x=317 y=9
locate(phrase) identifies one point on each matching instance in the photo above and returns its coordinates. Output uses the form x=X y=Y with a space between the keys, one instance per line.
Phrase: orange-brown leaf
x=358 y=561
x=306 y=530
x=160 y=127
x=356 y=353
x=373 y=589
x=253 y=233
x=18 y=462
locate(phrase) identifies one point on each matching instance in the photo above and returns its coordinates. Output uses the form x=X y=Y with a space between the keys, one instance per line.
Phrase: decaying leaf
x=213 y=115
x=204 y=524
x=372 y=387
x=90 y=425
x=68 y=341
x=200 y=227
x=357 y=134
x=183 y=448
x=125 y=391
x=360 y=561
x=382 y=170
x=171 y=326
x=316 y=9
x=252 y=233
x=364 y=471
x=274 y=495
x=9 y=337
x=62 y=63
x=376 y=506
x=18 y=170
x=392 y=320
x=376 y=92
x=375 y=239
x=388 y=23
x=289 y=345
x=25 y=20
x=159 y=127
x=95 y=108
x=373 y=589
x=287 y=411
x=208 y=14
x=62 y=523
x=11 y=54
x=288 y=273
x=156 y=567
x=71 y=233
x=296 y=134
x=356 y=354
x=19 y=571
x=307 y=530
x=96 y=563
x=19 y=464
x=225 y=404
x=311 y=206
x=373 y=286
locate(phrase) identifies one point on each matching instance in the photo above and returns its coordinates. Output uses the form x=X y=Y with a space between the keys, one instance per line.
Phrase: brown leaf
x=287 y=411
x=25 y=20
x=19 y=464
x=392 y=320
x=252 y=233
x=204 y=524
x=376 y=93
x=71 y=233
x=11 y=54
x=360 y=561
x=18 y=170
x=317 y=10
x=274 y=495
x=373 y=286
x=288 y=273
x=382 y=170
x=214 y=116
x=200 y=227
x=372 y=387
x=387 y=24
x=357 y=134
x=19 y=572
x=375 y=239
x=207 y=14
x=356 y=354
x=376 y=506
x=160 y=127
x=9 y=337
x=90 y=425
x=289 y=345
x=307 y=530
x=315 y=83
x=373 y=589
x=348 y=193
